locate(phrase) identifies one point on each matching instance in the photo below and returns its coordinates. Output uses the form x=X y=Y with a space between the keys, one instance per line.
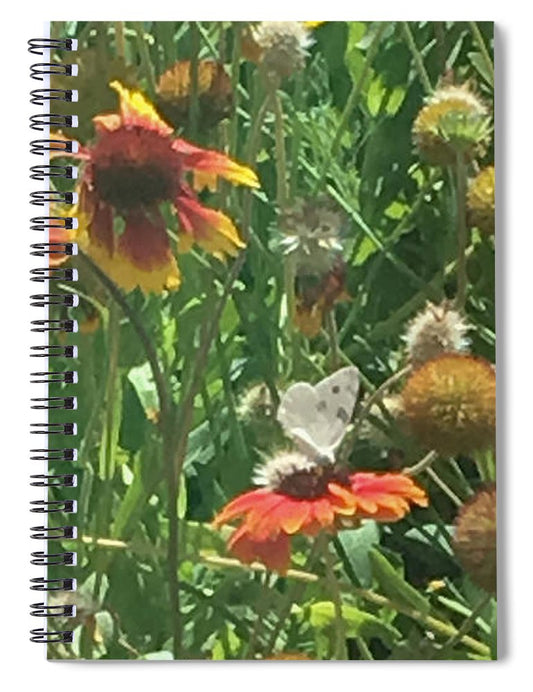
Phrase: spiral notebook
x=264 y=340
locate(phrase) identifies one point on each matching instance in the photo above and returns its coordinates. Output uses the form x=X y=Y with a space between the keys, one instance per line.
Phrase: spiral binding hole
x=48 y=146
x=53 y=611
x=58 y=480
x=53 y=533
x=37 y=46
x=50 y=376
x=51 y=454
x=53 y=351
x=43 y=197
x=53 y=559
x=60 y=584
x=63 y=274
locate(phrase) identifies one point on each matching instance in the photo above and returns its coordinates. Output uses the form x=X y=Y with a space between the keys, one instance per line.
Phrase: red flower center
x=308 y=484
x=134 y=167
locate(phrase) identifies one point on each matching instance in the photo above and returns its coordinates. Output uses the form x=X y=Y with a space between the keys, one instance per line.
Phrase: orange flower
x=134 y=166
x=302 y=497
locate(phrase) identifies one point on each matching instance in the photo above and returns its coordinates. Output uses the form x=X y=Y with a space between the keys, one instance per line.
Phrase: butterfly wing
x=336 y=396
x=316 y=417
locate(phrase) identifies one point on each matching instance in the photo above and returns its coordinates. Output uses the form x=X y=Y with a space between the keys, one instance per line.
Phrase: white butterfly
x=317 y=417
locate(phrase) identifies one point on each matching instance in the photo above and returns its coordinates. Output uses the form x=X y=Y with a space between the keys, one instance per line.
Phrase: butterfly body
x=316 y=417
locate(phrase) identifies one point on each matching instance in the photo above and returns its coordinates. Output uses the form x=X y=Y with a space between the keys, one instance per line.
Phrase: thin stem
x=350 y=105
x=235 y=64
x=296 y=133
x=428 y=621
x=483 y=49
x=462 y=234
x=293 y=594
x=146 y=63
x=331 y=328
x=445 y=489
x=137 y=324
x=120 y=42
x=380 y=393
x=465 y=626
x=340 y=652
x=417 y=57
x=193 y=77
x=365 y=652
x=421 y=465
x=281 y=159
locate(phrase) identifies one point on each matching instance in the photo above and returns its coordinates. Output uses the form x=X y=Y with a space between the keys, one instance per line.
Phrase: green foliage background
x=401 y=245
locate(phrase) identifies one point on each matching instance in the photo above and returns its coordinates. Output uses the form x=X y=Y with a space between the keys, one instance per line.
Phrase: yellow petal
x=135 y=108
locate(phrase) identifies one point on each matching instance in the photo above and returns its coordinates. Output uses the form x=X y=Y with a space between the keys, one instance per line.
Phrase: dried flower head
x=215 y=96
x=454 y=122
x=316 y=295
x=256 y=411
x=481 y=193
x=475 y=538
x=279 y=47
x=311 y=232
x=434 y=330
x=450 y=403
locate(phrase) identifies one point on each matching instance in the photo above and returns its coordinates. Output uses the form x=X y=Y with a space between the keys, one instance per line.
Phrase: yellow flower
x=450 y=404
x=481 y=191
x=134 y=166
x=454 y=122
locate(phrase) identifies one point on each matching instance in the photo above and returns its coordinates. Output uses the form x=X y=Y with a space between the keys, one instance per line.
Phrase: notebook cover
x=271 y=340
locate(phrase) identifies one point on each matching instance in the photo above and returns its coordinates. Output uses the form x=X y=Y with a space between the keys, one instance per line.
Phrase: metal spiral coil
x=57 y=323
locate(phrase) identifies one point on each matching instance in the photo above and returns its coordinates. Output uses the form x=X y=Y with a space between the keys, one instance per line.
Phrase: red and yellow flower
x=134 y=167
x=302 y=497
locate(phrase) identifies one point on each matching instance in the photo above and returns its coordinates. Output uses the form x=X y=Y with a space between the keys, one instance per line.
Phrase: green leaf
x=395 y=100
x=481 y=66
x=134 y=421
x=358 y=622
x=182 y=497
x=356 y=544
x=367 y=247
x=374 y=97
x=143 y=382
x=158 y=656
x=394 y=585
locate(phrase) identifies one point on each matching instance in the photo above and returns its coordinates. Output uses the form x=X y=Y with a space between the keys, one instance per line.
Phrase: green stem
x=194 y=106
x=417 y=57
x=294 y=593
x=444 y=487
x=296 y=133
x=281 y=158
x=340 y=652
x=138 y=326
x=331 y=328
x=349 y=107
x=120 y=41
x=421 y=465
x=106 y=465
x=144 y=55
x=365 y=652
x=462 y=234
x=464 y=628
x=381 y=391
x=235 y=68
x=432 y=623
